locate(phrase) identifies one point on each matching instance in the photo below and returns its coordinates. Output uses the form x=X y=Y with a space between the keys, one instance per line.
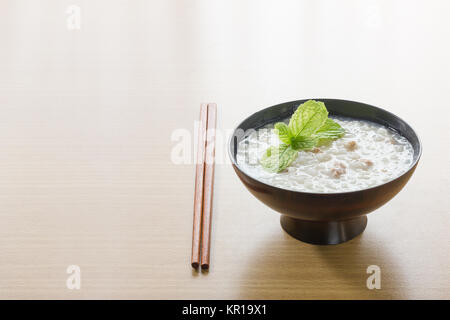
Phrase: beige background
x=86 y=118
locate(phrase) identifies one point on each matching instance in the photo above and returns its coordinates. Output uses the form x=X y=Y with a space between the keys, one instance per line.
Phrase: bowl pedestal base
x=327 y=232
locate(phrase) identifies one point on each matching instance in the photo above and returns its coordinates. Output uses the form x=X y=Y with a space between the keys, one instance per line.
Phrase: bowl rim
x=236 y=165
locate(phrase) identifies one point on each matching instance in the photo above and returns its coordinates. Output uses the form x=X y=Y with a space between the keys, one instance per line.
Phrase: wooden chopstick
x=199 y=180
x=208 y=185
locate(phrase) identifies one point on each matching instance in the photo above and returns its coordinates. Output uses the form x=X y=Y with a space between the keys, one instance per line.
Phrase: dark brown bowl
x=325 y=218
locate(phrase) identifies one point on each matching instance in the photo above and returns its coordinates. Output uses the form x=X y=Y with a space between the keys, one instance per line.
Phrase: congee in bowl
x=324 y=164
x=365 y=155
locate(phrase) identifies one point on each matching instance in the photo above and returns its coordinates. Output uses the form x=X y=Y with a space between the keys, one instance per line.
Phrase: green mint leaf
x=282 y=130
x=278 y=158
x=308 y=118
x=303 y=143
x=308 y=127
x=329 y=131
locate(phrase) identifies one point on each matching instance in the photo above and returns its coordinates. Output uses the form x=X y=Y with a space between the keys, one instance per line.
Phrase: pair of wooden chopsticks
x=204 y=183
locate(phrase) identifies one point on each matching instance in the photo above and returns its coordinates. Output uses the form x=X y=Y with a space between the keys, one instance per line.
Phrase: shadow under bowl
x=325 y=218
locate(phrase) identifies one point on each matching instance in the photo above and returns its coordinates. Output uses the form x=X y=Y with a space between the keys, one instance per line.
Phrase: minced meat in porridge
x=367 y=155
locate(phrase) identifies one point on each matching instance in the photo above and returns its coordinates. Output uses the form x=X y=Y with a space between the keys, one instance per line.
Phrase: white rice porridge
x=367 y=155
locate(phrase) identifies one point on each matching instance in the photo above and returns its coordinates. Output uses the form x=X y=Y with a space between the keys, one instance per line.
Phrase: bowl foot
x=331 y=232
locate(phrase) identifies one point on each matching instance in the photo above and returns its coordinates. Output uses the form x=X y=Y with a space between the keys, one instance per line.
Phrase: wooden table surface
x=89 y=119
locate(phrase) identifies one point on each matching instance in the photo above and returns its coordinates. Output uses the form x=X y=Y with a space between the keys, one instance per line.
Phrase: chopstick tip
x=205 y=266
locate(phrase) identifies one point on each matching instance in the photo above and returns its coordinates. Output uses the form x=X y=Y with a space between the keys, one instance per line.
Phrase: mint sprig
x=308 y=127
